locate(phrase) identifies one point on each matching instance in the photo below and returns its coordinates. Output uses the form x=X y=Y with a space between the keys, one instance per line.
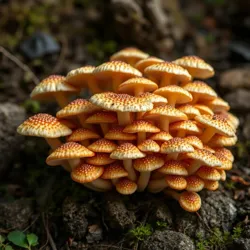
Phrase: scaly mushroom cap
x=196 y=67
x=190 y=201
x=203 y=109
x=52 y=84
x=201 y=90
x=205 y=157
x=206 y=147
x=218 y=105
x=223 y=175
x=102 y=146
x=211 y=185
x=172 y=91
x=176 y=182
x=68 y=150
x=168 y=111
x=194 y=141
x=161 y=136
x=188 y=127
x=125 y=186
x=100 y=159
x=173 y=167
x=117 y=134
x=225 y=152
x=226 y=164
x=120 y=102
x=155 y=99
x=157 y=71
x=77 y=107
x=176 y=145
x=144 y=63
x=232 y=119
x=85 y=173
x=141 y=126
x=222 y=141
x=102 y=117
x=189 y=110
x=114 y=171
x=148 y=163
x=79 y=77
x=129 y=86
x=43 y=125
x=208 y=173
x=82 y=134
x=214 y=121
x=127 y=151
x=149 y=146
x=194 y=183
x=129 y=53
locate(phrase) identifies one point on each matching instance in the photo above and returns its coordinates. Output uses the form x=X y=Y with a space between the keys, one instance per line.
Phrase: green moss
x=161 y=225
x=230 y=185
x=141 y=232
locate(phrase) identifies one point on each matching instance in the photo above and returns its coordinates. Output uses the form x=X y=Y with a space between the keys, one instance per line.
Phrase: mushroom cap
x=208 y=173
x=225 y=152
x=222 y=141
x=82 y=134
x=181 y=95
x=79 y=77
x=211 y=185
x=102 y=146
x=125 y=186
x=129 y=53
x=149 y=146
x=194 y=141
x=188 y=126
x=129 y=86
x=117 y=133
x=148 y=163
x=157 y=71
x=223 y=175
x=85 y=173
x=206 y=147
x=190 y=201
x=167 y=111
x=161 y=136
x=115 y=69
x=144 y=63
x=174 y=167
x=189 y=110
x=200 y=89
x=176 y=145
x=220 y=125
x=43 y=125
x=218 y=105
x=196 y=66
x=232 y=119
x=126 y=151
x=102 y=117
x=176 y=182
x=155 y=99
x=77 y=107
x=194 y=183
x=204 y=157
x=141 y=126
x=50 y=85
x=203 y=109
x=100 y=159
x=68 y=150
x=226 y=164
x=114 y=171
x=121 y=102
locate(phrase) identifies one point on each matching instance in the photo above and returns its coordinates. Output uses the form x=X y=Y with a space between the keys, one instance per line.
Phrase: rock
x=11 y=116
x=246 y=231
x=244 y=209
x=217 y=211
x=117 y=216
x=95 y=234
x=241 y=244
x=239 y=99
x=246 y=127
x=235 y=78
x=168 y=240
x=16 y=214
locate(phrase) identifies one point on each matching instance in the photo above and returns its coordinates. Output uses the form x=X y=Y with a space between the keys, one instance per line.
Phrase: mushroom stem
x=173 y=194
x=102 y=184
x=114 y=181
x=90 y=186
x=181 y=133
x=123 y=118
x=165 y=81
x=164 y=124
x=74 y=163
x=172 y=156
x=132 y=61
x=172 y=100
x=138 y=91
x=140 y=115
x=143 y=181
x=131 y=172
x=61 y=99
x=85 y=143
x=195 y=99
x=193 y=167
x=156 y=186
x=82 y=119
x=92 y=85
x=141 y=136
x=207 y=134
x=156 y=175
x=105 y=128
x=116 y=83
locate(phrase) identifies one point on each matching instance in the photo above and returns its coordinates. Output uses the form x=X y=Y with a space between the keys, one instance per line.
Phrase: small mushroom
x=194 y=183
x=144 y=63
x=100 y=159
x=208 y=173
x=125 y=186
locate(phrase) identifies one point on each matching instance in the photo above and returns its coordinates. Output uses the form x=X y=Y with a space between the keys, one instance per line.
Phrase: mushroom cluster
x=147 y=126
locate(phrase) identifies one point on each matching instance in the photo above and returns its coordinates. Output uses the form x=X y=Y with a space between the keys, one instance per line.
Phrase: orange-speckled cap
x=148 y=163
x=114 y=171
x=149 y=146
x=226 y=164
x=173 y=167
x=68 y=150
x=43 y=125
x=218 y=105
x=100 y=159
x=206 y=147
x=155 y=99
x=211 y=185
x=77 y=107
x=222 y=141
x=176 y=145
x=203 y=109
x=208 y=173
x=102 y=146
x=190 y=201
x=176 y=182
x=125 y=186
x=82 y=134
x=161 y=136
x=144 y=63
x=189 y=110
x=194 y=141
x=117 y=133
x=232 y=119
x=194 y=183
x=225 y=152
x=188 y=127
x=196 y=66
x=102 y=117
x=141 y=126
x=86 y=173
